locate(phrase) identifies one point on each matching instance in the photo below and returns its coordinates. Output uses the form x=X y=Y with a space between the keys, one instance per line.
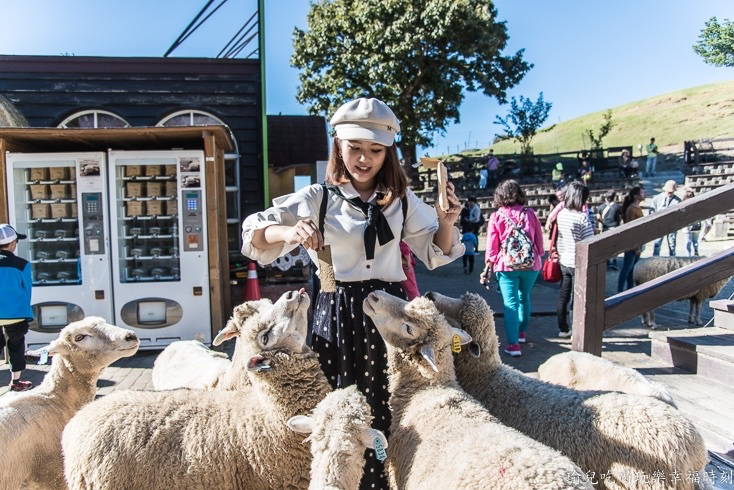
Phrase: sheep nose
x=131 y=336
x=430 y=295
x=373 y=297
x=289 y=295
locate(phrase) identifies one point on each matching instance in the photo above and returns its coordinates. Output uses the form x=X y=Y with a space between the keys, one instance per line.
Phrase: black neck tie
x=377 y=226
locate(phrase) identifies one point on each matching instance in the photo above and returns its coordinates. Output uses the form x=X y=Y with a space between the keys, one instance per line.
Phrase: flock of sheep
x=461 y=418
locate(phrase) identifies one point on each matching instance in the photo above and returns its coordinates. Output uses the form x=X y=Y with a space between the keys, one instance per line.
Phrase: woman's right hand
x=306 y=233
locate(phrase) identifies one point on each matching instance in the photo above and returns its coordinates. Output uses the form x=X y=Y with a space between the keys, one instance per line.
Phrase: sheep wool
x=584 y=371
x=207 y=439
x=654 y=267
x=31 y=422
x=340 y=434
x=440 y=437
x=620 y=440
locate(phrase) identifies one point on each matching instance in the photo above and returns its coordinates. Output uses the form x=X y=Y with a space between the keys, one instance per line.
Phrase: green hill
x=700 y=112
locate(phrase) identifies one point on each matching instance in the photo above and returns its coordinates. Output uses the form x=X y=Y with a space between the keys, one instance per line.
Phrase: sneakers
x=513 y=350
x=20 y=385
x=565 y=335
x=521 y=338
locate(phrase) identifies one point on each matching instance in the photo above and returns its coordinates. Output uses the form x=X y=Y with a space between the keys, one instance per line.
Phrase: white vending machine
x=160 y=266
x=60 y=201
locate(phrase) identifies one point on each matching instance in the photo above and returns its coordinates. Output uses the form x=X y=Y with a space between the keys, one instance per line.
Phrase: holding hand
x=306 y=233
x=449 y=217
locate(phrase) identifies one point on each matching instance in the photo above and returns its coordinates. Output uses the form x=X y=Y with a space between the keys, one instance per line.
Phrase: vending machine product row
x=121 y=235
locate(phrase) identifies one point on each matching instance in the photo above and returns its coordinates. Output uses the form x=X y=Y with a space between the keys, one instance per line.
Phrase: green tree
x=716 y=42
x=418 y=56
x=523 y=120
x=603 y=130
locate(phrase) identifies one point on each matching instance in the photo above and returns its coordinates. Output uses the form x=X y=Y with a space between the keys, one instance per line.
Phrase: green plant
x=416 y=56
x=603 y=130
x=716 y=42
x=524 y=120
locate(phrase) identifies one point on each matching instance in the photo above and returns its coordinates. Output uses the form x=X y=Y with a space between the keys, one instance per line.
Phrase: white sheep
x=191 y=364
x=440 y=437
x=615 y=437
x=208 y=439
x=31 y=422
x=584 y=371
x=654 y=267
x=340 y=434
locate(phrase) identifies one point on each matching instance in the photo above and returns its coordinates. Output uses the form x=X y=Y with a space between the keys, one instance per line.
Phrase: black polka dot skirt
x=351 y=351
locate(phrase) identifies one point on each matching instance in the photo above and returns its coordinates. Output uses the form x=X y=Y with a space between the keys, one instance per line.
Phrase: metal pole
x=263 y=100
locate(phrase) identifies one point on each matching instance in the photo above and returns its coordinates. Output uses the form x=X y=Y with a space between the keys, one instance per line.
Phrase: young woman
x=630 y=211
x=574 y=225
x=367 y=208
x=515 y=285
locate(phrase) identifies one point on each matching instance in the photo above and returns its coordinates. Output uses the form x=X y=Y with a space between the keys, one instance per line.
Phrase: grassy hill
x=700 y=112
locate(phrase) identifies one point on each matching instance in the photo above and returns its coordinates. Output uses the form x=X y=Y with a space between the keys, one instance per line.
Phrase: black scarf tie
x=377 y=226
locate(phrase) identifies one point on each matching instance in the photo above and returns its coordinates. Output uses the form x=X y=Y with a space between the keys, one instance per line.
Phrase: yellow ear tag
x=455 y=344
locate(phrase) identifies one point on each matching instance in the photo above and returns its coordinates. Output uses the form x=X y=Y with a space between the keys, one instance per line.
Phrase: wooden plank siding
x=142 y=91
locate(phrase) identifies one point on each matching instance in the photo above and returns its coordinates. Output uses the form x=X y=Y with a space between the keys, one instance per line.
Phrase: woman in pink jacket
x=515 y=280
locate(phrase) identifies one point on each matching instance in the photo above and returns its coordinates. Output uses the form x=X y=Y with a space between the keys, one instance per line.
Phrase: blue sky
x=588 y=55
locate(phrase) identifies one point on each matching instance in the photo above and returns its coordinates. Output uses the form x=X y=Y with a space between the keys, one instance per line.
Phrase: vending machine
x=60 y=201
x=160 y=267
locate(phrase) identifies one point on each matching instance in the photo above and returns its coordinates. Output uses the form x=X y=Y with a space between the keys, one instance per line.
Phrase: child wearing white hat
x=15 y=304
x=360 y=214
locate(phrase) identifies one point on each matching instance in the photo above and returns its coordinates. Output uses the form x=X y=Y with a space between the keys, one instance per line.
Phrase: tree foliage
x=716 y=42
x=418 y=56
x=524 y=120
x=603 y=130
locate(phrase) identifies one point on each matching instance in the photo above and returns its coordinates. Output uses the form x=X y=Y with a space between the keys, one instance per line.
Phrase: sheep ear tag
x=455 y=344
x=427 y=353
x=375 y=439
x=258 y=363
x=41 y=353
x=459 y=336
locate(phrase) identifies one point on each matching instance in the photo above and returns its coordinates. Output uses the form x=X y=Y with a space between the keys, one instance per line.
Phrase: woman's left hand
x=449 y=217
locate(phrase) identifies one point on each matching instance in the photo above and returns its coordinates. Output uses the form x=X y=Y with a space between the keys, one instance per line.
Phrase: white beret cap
x=366 y=119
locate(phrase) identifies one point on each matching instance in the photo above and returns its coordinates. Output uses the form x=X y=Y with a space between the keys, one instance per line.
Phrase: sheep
x=654 y=267
x=190 y=364
x=583 y=371
x=208 y=439
x=31 y=422
x=440 y=437
x=611 y=436
x=340 y=433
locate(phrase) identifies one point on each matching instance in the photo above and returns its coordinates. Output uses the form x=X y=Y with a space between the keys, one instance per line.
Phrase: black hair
x=576 y=196
x=610 y=195
x=630 y=198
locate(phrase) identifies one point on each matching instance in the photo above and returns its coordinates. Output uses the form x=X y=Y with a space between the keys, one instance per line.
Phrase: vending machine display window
x=53 y=316
x=47 y=212
x=147 y=210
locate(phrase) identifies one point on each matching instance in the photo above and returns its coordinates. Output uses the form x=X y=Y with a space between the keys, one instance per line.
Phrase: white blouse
x=344 y=227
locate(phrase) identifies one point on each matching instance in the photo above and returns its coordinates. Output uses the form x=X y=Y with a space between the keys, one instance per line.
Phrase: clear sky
x=588 y=55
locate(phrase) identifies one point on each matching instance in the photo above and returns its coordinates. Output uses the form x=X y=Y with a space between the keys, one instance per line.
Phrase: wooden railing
x=593 y=313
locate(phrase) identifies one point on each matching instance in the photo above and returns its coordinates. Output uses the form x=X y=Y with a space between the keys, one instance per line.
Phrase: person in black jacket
x=609 y=215
x=15 y=304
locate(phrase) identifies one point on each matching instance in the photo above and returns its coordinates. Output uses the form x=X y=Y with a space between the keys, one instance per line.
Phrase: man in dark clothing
x=609 y=215
x=15 y=304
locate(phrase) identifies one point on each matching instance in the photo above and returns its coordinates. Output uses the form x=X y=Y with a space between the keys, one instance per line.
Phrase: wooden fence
x=593 y=313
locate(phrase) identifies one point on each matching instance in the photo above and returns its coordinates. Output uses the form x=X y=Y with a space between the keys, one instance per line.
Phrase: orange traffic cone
x=252 y=289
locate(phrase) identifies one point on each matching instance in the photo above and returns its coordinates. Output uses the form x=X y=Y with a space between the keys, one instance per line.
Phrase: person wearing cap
x=660 y=202
x=361 y=214
x=557 y=175
x=15 y=304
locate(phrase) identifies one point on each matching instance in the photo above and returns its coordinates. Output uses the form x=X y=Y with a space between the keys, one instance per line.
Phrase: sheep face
x=91 y=344
x=472 y=314
x=416 y=329
x=269 y=327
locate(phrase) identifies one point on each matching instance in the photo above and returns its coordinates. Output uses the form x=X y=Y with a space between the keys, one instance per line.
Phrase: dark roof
x=296 y=140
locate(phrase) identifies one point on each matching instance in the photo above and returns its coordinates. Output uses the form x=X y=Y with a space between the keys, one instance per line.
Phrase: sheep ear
x=230 y=331
x=464 y=338
x=57 y=347
x=301 y=424
x=427 y=353
x=373 y=438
